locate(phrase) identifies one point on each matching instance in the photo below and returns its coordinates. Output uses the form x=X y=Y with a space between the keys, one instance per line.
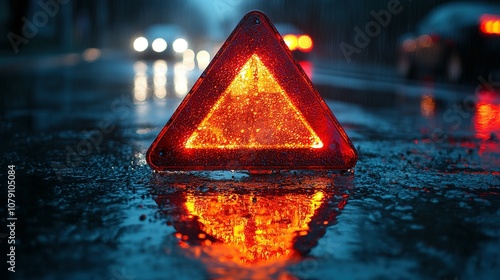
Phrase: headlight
x=305 y=43
x=290 y=41
x=140 y=44
x=180 y=45
x=159 y=45
x=203 y=58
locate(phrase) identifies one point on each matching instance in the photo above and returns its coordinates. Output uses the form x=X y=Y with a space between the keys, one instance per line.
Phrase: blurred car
x=298 y=42
x=160 y=41
x=455 y=41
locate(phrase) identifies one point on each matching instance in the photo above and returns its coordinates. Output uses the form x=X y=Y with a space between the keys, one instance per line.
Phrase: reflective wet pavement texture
x=422 y=203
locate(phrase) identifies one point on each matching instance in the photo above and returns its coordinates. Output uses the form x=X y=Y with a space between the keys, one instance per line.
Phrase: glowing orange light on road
x=254 y=112
x=487 y=120
x=427 y=106
x=255 y=227
x=305 y=43
x=252 y=232
x=253 y=108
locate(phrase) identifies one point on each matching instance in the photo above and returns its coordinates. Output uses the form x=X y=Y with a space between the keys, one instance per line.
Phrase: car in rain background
x=79 y=108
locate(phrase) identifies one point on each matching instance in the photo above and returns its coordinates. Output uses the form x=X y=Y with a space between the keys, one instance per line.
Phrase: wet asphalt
x=421 y=203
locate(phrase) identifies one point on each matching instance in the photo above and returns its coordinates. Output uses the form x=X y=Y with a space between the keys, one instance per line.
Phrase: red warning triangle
x=254 y=112
x=253 y=108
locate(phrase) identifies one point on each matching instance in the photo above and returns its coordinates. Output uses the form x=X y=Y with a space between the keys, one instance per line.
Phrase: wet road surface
x=422 y=203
